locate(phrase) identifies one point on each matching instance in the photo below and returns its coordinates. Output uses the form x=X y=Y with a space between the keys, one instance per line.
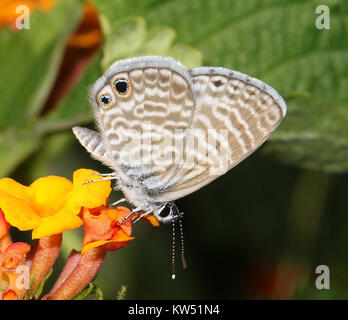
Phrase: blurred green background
x=260 y=230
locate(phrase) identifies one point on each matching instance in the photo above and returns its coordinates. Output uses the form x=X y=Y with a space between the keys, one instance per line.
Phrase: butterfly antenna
x=183 y=260
x=173 y=250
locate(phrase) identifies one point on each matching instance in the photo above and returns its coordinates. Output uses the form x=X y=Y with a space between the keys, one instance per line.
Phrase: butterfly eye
x=166 y=211
x=105 y=101
x=121 y=87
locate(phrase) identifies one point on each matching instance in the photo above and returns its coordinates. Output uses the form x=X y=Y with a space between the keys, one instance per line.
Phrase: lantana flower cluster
x=48 y=207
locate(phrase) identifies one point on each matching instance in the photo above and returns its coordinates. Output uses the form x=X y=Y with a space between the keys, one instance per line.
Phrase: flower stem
x=70 y=265
x=45 y=255
x=85 y=271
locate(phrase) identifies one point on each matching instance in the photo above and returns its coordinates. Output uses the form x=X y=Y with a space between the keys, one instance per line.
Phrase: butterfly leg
x=130 y=214
x=113 y=174
x=142 y=216
x=101 y=179
x=117 y=202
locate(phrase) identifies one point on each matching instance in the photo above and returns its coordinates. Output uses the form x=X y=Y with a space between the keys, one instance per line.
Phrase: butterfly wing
x=94 y=144
x=234 y=115
x=144 y=128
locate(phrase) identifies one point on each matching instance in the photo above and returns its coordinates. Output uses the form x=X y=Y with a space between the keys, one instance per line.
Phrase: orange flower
x=14 y=255
x=5 y=238
x=101 y=228
x=4 y=225
x=51 y=205
x=149 y=218
x=102 y=233
x=9 y=295
x=8 y=8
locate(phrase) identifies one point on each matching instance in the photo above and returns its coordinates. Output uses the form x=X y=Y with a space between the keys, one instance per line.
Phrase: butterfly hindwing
x=234 y=115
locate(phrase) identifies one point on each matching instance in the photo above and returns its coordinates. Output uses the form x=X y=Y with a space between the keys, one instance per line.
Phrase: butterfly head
x=167 y=212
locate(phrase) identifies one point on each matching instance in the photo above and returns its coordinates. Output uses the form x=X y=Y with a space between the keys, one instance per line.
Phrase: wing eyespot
x=104 y=101
x=121 y=87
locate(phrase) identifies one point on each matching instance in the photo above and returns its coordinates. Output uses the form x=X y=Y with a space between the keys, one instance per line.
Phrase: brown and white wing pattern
x=234 y=115
x=144 y=128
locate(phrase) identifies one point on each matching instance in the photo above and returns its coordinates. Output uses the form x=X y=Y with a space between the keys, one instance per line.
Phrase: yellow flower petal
x=18 y=212
x=50 y=193
x=55 y=224
x=51 y=205
x=12 y=187
x=90 y=195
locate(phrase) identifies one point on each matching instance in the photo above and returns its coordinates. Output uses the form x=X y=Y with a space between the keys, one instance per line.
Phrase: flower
x=101 y=228
x=4 y=225
x=9 y=295
x=149 y=218
x=14 y=256
x=78 y=274
x=8 y=14
x=70 y=265
x=51 y=205
x=44 y=256
x=102 y=233
x=5 y=238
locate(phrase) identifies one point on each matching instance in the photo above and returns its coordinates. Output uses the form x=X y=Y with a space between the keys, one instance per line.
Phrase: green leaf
x=30 y=59
x=51 y=149
x=90 y=290
x=122 y=38
x=85 y=292
x=130 y=37
x=187 y=55
x=122 y=293
x=38 y=291
x=125 y=38
x=26 y=296
x=15 y=146
x=73 y=109
x=98 y=293
x=158 y=41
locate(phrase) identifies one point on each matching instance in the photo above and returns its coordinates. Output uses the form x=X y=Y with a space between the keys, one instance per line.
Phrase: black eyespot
x=217 y=83
x=165 y=211
x=105 y=100
x=121 y=86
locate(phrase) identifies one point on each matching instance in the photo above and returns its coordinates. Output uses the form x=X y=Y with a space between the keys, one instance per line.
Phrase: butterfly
x=167 y=131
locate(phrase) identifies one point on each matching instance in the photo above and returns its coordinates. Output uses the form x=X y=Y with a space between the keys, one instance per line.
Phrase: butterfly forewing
x=146 y=129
